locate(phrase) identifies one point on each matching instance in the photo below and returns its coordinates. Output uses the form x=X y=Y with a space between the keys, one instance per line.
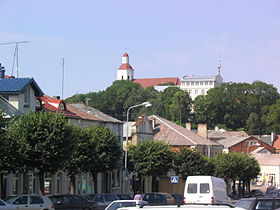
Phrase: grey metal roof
x=13 y=86
x=95 y=112
x=232 y=140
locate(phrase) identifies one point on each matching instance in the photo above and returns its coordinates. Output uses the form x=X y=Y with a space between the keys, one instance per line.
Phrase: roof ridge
x=175 y=129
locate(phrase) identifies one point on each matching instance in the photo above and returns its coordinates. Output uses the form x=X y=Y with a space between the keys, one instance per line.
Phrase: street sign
x=174 y=179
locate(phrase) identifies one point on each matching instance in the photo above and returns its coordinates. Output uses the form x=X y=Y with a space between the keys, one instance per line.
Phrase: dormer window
x=62 y=106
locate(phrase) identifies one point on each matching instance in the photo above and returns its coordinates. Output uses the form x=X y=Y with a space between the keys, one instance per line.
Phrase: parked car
x=273 y=193
x=124 y=197
x=265 y=203
x=269 y=189
x=30 y=202
x=6 y=206
x=102 y=199
x=72 y=202
x=179 y=198
x=168 y=197
x=154 y=198
x=126 y=203
x=256 y=193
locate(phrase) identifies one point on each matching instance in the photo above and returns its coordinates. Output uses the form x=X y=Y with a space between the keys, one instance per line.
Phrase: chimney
x=202 y=130
x=189 y=126
x=87 y=100
x=272 y=137
x=2 y=71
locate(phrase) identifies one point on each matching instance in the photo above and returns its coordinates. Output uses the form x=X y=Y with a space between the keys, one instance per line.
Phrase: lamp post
x=146 y=104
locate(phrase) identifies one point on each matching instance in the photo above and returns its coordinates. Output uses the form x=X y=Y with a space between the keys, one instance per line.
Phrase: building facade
x=199 y=85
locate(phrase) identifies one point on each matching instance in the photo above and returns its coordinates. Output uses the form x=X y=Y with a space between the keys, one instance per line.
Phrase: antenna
x=219 y=64
x=15 y=54
x=62 y=83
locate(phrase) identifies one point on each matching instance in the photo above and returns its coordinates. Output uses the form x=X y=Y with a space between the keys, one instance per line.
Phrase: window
x=76 y=199
x=204 y=188
x=196 y=92
x=2 y=204
x=264 y=204
x=192 y=188
x=192 y=83
x=188 y=83
x=201 y=83
x=27 y=97
x=196 y=83
x=202 y=92
x=206 y=83
x=21 y=200
x=210 y=83
x=36 y=200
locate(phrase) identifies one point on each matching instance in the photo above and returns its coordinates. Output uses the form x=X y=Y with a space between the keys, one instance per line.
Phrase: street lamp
x=256 y=144
x=146 y=104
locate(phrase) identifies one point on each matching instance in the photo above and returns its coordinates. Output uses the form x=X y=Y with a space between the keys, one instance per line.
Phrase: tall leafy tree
x=98 y=151
x=181 y=106
x=271 y=117
x=43 y=141
x=189 y=162
x=150 y=158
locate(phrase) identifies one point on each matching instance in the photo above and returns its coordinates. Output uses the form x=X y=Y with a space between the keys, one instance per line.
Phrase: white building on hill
x=199 y=85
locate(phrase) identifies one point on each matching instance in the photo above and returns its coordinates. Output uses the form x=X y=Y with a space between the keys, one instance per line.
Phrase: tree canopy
x=189 y=162
x=42 y=141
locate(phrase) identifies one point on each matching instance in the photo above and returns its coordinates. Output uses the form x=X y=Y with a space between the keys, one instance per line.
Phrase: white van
x=205 y=189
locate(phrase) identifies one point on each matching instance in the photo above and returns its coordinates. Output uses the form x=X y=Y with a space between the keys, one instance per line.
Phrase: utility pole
x=15 y=54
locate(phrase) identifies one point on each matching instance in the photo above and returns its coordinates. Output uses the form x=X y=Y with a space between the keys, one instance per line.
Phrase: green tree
x=43 y=141
x=236 y=167
x=181 y=106
x=150 y=158
x=232 y=103
x=189 y=162
x=98 y=151
x=271 y=117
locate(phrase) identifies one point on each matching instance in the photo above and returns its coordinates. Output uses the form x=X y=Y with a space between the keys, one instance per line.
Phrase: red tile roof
x=125 y=66
x=176 y=135
x=52 y=105
x=276 y=143
x=150 y=82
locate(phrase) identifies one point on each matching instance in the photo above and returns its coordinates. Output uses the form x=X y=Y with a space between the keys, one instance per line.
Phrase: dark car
x=273 y=193
x=256 y=193
x=265 y=203
x=124 y=197
x=72 y=202
x=154 y=198
x=102 y=199
x=269 y=189
x=179 y=198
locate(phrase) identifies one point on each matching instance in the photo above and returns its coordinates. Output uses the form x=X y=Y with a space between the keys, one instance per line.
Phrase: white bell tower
x=125 y=71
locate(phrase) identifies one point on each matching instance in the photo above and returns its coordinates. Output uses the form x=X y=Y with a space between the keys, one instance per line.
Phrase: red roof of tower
x=125 y=66
x=125 y=55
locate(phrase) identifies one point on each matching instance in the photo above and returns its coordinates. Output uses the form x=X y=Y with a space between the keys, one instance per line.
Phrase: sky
x=164 y=38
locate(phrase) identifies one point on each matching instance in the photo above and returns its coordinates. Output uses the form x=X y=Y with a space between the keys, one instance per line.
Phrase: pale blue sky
x=164 y=38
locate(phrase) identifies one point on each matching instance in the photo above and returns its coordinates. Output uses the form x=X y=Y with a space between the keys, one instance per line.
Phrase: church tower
x=125 y=71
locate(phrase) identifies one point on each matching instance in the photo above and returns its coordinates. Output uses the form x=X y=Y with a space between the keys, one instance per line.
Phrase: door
x=36 y=202
x=77 y=203
x=21 y=202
